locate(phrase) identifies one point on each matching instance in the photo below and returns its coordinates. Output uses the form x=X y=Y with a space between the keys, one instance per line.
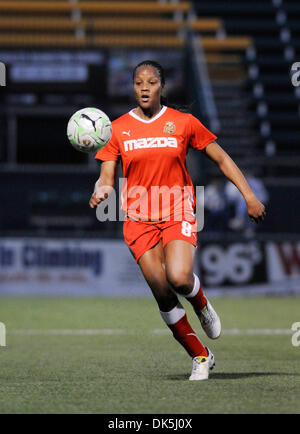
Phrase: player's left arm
x=256 y=210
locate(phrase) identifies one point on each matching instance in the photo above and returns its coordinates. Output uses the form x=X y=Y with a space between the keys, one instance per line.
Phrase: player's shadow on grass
x=239 y=375
x=231 y=375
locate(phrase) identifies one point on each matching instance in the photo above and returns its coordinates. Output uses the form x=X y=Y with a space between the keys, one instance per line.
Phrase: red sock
x=197 y=297
x=185 y=335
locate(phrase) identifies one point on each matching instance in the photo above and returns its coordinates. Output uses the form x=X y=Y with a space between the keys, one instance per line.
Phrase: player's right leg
x=171 y=310
x=179 y=255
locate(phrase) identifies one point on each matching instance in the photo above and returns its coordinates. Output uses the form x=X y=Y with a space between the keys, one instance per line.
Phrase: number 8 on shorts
x=186 y=229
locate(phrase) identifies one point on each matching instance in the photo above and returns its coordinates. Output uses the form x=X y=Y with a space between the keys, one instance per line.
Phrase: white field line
x=70 y=332
x=96 y=332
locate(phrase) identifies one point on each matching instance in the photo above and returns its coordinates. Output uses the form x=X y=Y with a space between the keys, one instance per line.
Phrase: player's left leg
x=179 y=257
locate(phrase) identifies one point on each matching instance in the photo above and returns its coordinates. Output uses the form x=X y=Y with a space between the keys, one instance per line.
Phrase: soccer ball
x=89 y=129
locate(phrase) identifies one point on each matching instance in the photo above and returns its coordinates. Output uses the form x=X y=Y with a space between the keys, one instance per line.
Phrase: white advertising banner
x=283 y=260
x=65 y=266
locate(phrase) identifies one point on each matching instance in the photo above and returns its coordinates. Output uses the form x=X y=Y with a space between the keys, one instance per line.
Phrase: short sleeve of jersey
x=200 y=136
x=110 y=152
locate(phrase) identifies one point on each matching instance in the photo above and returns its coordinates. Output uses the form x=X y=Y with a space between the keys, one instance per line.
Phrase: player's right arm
x=105 y=183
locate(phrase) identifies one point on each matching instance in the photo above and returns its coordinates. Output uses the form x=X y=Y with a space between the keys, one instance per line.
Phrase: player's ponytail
x=161 y=73
x=181 y=108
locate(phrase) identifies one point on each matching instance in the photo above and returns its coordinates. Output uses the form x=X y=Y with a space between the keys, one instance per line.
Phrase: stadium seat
x=91 y=23
x=41 y=40
x=227 y=44
x=90 y=7
x=84 y=41
x=116 y=25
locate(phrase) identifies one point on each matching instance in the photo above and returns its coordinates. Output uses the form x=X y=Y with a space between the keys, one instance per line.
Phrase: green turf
x=139 y=371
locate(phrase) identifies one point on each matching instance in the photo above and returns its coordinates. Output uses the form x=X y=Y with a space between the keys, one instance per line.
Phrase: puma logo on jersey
x=150 y=142
x=126 y=132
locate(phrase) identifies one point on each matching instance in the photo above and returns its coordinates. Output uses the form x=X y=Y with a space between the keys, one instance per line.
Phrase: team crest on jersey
x=169 y=127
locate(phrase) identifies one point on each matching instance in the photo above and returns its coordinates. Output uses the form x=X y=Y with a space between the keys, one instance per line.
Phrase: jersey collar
x=159 y=114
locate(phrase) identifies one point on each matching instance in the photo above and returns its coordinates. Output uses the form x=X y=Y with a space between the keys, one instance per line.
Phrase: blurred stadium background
x=231 y=61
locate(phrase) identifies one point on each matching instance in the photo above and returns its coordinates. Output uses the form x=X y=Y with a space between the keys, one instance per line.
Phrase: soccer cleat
x=210 y=321
x=201 y=366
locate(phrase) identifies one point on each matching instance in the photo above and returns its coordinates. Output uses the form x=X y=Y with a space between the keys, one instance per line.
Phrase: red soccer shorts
x=141 y=236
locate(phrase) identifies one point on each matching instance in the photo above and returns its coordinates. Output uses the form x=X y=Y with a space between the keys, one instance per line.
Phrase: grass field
x=84 y=355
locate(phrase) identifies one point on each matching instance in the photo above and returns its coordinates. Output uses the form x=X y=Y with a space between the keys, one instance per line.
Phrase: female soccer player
x=152 y=141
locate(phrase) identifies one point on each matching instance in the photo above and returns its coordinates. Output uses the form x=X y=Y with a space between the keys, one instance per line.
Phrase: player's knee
x=180 y=281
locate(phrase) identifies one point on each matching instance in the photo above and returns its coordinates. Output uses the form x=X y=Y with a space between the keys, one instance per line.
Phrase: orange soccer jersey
x=153 y=153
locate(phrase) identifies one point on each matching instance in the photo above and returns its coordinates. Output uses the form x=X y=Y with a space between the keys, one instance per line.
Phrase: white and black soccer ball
x=89 y=129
